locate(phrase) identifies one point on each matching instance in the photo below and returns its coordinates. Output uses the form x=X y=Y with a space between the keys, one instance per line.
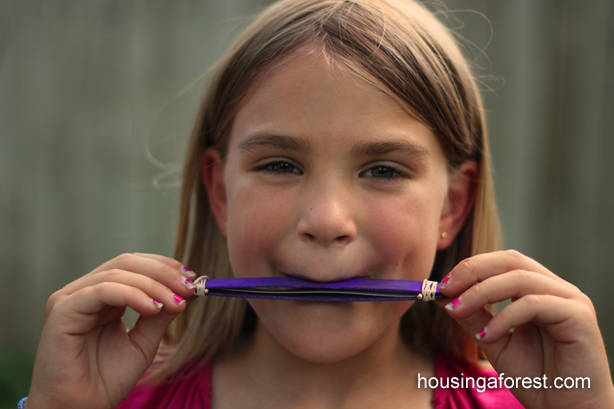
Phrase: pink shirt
x=194 y=392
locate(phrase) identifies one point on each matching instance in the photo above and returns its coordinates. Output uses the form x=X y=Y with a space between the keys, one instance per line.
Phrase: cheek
x=255 y=226
x=405 y=235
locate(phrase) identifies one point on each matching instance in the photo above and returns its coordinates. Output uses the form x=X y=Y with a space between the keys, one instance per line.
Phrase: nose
x=326 y=218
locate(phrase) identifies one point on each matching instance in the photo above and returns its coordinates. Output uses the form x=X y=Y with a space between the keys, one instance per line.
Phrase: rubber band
x=429 y=290
x=201 y=283
x=21 y=402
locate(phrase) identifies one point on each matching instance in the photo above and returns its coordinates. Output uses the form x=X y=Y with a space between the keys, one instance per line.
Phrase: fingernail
x=452 y=305
x=187 y=272
x=157 y=303
x=178 y=299
x=480 y=334
x=188 y=283
x=445 y=282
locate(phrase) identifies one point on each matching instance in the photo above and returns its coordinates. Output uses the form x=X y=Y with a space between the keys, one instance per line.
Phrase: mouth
x=323 y=278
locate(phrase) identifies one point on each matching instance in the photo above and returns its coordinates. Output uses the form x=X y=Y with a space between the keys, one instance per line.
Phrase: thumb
x=148 y=331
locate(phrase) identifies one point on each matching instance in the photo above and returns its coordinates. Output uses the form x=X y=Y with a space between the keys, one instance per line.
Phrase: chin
x=322 y=333
x=322 y=348
x=326 y=332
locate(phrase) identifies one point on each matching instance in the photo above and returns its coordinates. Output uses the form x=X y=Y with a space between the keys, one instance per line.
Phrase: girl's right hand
x=86 y=358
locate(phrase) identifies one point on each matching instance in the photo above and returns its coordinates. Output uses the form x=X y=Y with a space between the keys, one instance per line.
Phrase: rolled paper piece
x=289 y=288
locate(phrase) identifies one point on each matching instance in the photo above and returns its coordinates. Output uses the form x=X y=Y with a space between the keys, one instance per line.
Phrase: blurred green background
x=98 y=98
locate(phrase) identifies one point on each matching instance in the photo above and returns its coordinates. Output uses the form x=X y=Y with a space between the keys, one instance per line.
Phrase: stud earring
x=444 y=235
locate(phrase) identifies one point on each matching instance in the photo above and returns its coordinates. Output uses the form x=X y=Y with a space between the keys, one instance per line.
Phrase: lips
x=327 y=277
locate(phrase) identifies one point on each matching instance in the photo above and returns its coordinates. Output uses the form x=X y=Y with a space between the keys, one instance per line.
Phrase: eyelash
x=267 y=168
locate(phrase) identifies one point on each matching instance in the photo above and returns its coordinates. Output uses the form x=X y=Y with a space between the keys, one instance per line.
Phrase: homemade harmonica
x=289 y=288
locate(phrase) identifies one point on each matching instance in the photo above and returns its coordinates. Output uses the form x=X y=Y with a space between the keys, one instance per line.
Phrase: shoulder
x=190 y=387
x=469 y=385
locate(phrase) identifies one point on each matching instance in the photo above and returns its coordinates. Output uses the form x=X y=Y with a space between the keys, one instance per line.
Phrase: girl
x=337 y=139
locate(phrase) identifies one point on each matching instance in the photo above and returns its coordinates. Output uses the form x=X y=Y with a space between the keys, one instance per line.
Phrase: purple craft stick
x=289 y=288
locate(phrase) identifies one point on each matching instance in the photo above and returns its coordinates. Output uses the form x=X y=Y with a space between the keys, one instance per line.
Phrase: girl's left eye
x=378 y=171
x=386 y=172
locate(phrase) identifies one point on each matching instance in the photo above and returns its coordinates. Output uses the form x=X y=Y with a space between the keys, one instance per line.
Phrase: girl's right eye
x=279 y=167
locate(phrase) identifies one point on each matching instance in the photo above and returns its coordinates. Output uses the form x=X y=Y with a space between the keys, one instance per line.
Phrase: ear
x=213 y=178
x=458 y=203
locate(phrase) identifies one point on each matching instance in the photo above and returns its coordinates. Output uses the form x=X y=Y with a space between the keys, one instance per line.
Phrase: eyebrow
x=290 y=143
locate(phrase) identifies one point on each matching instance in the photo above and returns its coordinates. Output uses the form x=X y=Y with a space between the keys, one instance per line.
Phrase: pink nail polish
x=178 y=299
x=480 y=334
x=452 y=305
x=187 y=272
x=157 y=303
x=445 y=282
x=188 y=283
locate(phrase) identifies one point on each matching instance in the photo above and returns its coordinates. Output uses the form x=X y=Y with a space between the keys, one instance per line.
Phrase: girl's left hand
x=549 y=330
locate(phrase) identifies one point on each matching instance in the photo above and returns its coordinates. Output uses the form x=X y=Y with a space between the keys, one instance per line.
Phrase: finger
x=482 y=266
x=161 y=272
x=171 y=262
x=571 y=323
x=472 y=323
x=476 y=324
x=560 y=317
x=511 y=285
x=128 y=259
x=79 y=311
x=171 y=294
x=148 y=332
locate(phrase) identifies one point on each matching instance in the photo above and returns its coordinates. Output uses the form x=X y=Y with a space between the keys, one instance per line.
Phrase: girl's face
x=327 y=178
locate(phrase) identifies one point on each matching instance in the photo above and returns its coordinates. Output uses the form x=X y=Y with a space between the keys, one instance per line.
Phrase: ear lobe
x=458 y=204
x=213 y=178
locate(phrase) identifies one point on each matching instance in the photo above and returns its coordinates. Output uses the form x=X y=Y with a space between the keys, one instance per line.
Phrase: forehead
x=311 y=95
x=313 y=83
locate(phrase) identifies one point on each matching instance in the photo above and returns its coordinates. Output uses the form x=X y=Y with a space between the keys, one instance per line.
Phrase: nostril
x=337 y=240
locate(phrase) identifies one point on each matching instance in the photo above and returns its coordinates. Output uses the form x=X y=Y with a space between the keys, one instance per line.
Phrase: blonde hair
x=401 y=48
